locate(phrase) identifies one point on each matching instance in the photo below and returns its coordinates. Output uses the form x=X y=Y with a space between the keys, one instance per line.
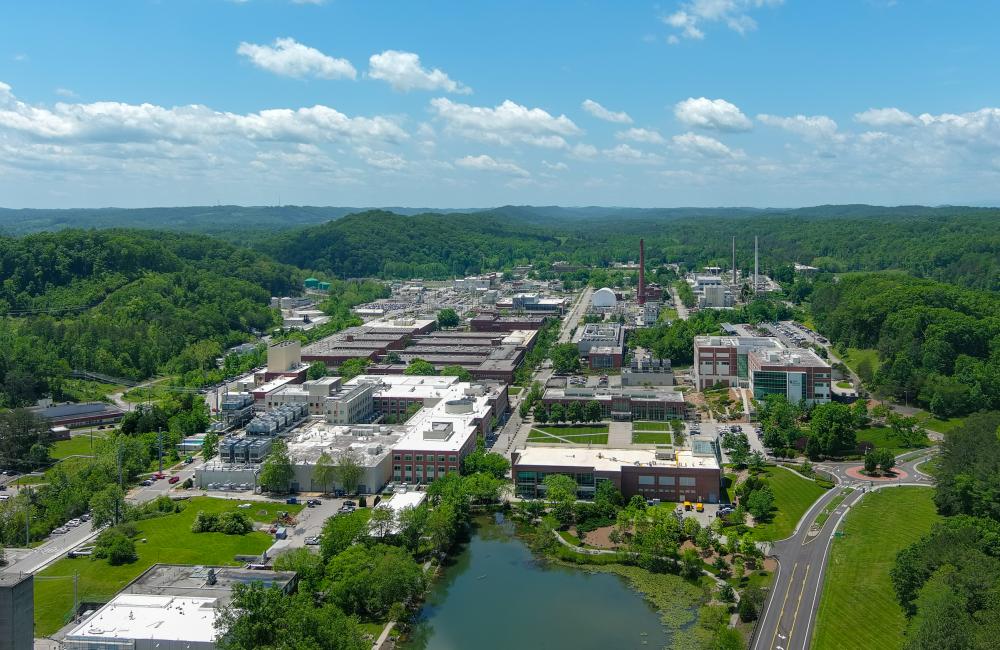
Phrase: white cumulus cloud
x=505 y=124
x=886 y=117
x=703 y=145
x=402 y=71
x=691 y=17
x=623 y=153
x=490 y=164
x=716 y=114
x=289 y=58
x=601 y=113
x=650 y=136
x=811 y=127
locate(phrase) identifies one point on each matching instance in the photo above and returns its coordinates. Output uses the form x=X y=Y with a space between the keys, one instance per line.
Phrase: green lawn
x=574 y=429
x=941 y=425
x=846 y=385
x=650 y=426
x=75 y=446
x=86 y=390
x=582 y=438
x=650 y=438
x=793 y=496
x=830 y=507
x=882 y=438
x=859 y=608
x=515 y=390
x=168 y=540
x=855 y=356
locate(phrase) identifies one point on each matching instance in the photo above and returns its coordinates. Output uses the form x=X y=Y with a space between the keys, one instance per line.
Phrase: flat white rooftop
x=610 y=460
x=159 y=618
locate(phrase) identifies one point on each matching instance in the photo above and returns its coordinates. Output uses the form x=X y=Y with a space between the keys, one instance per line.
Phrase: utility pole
x=159 y=442
x=121 y=452
x=76 y=600
x=27 y=526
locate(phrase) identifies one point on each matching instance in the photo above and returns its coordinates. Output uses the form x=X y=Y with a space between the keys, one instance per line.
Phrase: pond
x=498 y=595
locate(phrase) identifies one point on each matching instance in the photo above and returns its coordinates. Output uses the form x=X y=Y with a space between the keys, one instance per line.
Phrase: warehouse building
x=646 y=370
x=83 y=414
x=673 y=475
x=494 y=322
x=603 y=344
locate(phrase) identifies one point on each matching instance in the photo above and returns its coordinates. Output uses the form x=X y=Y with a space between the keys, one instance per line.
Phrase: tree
x=412 y=524
x=608 y=498
x=871 y=461
x=540 y=413
x=381 y=522
x=575 y=412
x=886 y=460
x=905 y=430
x=210 y=445
x=419 y=366
x=107 y=506
x=756 y=462
x=560 y=491
x=325 y=472
x=751 y=601
x=277 y=472
x=20 y=431
x=760 y=503
x=317 y=370
x=565 y=358
x=352 y=368
x=557 y=413
x=443 y=526
x=116 y=546
x=349 y=471
x=368 y=580
x=456 y=371
x=813 y=450
x=266 y=617
x=448 y=317
x=593 y=411
x=490 y=463
x=833 y=425
x=340 y=532
x=942 y=621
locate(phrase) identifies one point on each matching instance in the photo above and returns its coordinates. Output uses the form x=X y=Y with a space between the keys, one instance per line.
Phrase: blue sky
x=690 y=102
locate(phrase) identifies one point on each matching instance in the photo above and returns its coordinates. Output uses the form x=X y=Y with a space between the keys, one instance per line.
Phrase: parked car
x=83 y=551
x=313 y=502
x=159 y=475
x=60 y=530
x=173 y=479
x=291 y=501
x=351 y=503
x=73 y=523
x=146 y=483
x=85 y=516
x=244 y=506
x=312 y=541
x=699 y=507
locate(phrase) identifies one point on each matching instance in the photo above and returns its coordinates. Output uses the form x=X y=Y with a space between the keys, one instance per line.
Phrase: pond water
x=497 y=595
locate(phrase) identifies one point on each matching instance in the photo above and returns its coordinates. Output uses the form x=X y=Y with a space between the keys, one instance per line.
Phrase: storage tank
x=603 y=298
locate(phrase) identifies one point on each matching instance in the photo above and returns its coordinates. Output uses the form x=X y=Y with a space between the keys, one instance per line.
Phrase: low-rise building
x=83 y=414
x=603 y=344
x=646 y=370
x=624 y=402
x=671 y=475
x=762 y=364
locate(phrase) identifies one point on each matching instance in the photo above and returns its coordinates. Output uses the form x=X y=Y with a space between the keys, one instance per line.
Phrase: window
x=396 y=457
x=687 y=480
x=441 y=458
x=408 y=457
x=419 y=458
x=441 y=470
x=409 y=468
x=647 y=480
x=452 y=458
x=666 y=480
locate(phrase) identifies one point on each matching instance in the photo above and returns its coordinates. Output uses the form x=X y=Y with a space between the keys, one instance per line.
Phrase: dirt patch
x=599 y=537
x=770 y=564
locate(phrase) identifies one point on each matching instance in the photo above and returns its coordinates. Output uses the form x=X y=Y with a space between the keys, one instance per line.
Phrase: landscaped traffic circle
x=858 y=473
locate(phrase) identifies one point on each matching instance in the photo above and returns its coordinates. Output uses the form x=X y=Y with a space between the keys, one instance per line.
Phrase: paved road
x=682 y=311
x=790 y=612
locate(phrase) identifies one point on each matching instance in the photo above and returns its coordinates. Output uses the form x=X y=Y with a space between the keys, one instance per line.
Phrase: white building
x=603 y=298
x=147 y=622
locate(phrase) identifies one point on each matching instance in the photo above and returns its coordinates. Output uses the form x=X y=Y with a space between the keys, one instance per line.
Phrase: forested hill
x=955 y=245
x=125 y=303
x=380 y=243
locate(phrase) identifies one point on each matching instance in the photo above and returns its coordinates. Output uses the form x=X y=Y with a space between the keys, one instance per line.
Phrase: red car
x=174 y=479
x=159 y=475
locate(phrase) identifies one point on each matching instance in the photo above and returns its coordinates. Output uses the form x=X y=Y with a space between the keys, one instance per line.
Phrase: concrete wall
x=17 y=612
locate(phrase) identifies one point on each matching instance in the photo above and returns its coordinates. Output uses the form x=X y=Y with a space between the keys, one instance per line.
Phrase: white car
x=73 y=523
x=60 y=530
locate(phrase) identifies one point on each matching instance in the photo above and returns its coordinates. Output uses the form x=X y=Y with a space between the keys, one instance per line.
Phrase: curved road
x=790 y=611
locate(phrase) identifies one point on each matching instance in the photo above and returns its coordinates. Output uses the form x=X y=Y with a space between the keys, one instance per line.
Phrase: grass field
x=882 y=438
x=793 y=495
x=575 y=430
x=75 y=446
x=168 y=540
x=578 y=435
x=858 y=608
x=855 y=356
x=941 y=425
x=846 y=385
x=652 y=438
x=86 y=390
x=515 y=390
x=641 y=425
x=830 y=507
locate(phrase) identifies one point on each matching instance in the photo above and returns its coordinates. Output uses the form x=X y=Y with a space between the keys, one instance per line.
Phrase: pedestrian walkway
x=620 y=434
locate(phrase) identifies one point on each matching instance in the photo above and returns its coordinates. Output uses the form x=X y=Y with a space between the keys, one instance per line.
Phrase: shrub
x=230 y=523
x=205 y=522
x=115 y=545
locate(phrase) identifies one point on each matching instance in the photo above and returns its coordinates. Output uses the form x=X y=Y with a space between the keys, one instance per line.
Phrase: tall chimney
x=734 y=261
x=642 y=272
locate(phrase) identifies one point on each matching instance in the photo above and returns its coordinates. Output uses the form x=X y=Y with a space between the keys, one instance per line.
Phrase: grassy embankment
x=858 y=608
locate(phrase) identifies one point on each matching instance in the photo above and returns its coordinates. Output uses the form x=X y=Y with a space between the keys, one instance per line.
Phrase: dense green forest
x=939 y=345
x=949 y=582
x=126 y=303
x=960 y=247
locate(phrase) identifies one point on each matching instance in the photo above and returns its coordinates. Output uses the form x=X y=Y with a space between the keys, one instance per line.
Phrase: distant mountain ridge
x=234 y=221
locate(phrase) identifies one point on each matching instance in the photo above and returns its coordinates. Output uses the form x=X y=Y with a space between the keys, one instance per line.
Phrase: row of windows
x=666 y=480
x=452 y=458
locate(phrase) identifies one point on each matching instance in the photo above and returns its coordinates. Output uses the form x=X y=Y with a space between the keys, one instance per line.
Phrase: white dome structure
x=603 y=298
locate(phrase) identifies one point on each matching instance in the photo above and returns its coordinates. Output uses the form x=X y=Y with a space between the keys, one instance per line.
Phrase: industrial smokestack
x=734 y=261
x=755 y=261
x=642 y=272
